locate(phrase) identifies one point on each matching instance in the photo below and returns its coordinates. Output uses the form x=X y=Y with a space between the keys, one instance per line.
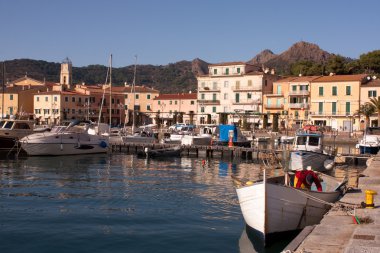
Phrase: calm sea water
x=120 y=203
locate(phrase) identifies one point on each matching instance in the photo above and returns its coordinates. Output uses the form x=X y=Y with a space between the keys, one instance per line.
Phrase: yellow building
x=290 y=100
x=175 y=107
x=335 y=101
x=370 y=89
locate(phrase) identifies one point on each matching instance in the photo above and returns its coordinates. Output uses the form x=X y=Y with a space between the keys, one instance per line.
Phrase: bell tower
x=66 y=73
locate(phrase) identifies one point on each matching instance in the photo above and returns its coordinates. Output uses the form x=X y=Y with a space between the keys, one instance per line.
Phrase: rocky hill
x=171 y=78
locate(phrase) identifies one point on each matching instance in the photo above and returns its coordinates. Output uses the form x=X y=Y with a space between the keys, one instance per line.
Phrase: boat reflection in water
x=251 y=241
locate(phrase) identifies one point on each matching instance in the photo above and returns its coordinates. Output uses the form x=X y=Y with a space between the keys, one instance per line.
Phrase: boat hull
x=302 y=159
x=369 y=149
x=7 y=143
x=271 y=208
x=39 y=149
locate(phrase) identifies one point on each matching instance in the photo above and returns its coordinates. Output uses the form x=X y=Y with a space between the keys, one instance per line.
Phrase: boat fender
x=61 y=147
x=249 y=183
x=103 y=144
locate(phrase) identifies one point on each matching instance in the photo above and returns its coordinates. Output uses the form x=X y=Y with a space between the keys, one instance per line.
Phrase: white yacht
x=80 y=137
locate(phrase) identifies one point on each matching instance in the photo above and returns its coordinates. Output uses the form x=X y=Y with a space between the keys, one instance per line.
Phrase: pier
x=339 y=230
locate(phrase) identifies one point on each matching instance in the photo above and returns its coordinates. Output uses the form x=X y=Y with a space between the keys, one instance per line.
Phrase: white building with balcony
x=233 y=88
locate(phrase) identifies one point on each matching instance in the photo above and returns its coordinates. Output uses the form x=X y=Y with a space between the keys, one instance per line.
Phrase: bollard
x=369 y=198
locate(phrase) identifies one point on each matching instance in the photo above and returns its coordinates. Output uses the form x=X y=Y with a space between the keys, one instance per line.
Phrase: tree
x=367 y=110
x=375 y=102
x=371 y=61
x=336 y=64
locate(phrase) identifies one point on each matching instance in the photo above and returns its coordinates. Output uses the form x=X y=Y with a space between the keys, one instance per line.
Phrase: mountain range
x=172 y=78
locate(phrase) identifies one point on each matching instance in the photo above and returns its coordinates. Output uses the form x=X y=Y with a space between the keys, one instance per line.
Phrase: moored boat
x=80 y=137
x=12 y=130
x=270 y=206
x=308 y=150
x=370 y=143
x=162 y=152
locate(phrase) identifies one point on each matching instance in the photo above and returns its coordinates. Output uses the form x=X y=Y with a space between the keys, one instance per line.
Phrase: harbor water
x=121 y=203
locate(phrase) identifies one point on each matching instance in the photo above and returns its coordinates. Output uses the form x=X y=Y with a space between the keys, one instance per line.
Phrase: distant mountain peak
x=263 y=57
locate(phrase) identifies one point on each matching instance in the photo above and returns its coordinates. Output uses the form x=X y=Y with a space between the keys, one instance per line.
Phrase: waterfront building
x=290 y=100
x=232 y=92
x=175 y=108
x=368 y=90
x=17 y=99
x=335 y=100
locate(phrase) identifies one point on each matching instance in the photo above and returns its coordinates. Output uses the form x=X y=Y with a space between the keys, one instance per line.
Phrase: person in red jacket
x=305 y=178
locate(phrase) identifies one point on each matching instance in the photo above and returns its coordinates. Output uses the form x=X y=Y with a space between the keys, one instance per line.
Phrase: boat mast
x=2 y=98
x=134 y=96
x=110 y=110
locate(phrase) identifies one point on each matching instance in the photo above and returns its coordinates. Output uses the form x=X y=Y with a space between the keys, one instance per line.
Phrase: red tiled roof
x=228 y=63
x=176 y=96
x=340 y=78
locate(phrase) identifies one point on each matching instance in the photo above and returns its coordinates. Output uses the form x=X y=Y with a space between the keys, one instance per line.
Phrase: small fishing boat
x=308 y=150
x=271 y=206
x=162 y=152
x=12 y=130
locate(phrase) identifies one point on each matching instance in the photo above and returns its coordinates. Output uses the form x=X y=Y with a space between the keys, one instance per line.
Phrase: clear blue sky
x=167 y=31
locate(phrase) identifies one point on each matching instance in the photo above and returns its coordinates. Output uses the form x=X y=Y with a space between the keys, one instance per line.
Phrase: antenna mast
x=110 y=110
x=2 y=99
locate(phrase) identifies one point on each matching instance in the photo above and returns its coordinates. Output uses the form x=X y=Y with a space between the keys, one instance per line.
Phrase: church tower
x=66 y=73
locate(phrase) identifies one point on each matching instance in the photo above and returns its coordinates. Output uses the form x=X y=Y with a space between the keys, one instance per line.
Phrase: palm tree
x=375 y=102
x=367 y=110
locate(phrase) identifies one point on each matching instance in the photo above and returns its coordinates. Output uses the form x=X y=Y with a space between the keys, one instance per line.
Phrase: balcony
x=299 y=93
x=247 y=88
x=281 y=106
x=281 y=94
x=247 y=102
x=299 y=106
x=208 y=102
x=209 y=89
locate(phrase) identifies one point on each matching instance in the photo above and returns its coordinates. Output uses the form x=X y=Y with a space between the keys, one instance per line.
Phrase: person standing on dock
x=305 y=178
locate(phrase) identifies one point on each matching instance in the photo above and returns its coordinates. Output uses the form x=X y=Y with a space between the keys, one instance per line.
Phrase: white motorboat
x=80 y=137
x=269 y=206
x=286 y=139
x=308 y=151
x=12 y=130
x=370 y=144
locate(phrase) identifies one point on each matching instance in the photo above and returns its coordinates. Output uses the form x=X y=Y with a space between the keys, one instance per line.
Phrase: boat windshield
x=8 y=125
x=2 y=123
x=301 y=140
x=313 y=141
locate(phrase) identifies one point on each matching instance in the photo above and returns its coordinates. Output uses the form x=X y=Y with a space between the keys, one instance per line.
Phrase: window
x=171 y=102
x=334 y=91
x=225 y=96
x=249 y=82
x=159 y=102
x=237 y=97
x=148 y=96
x=348 y=90
x=348 y=108
x=73 y=99
x=214 y=97
x=237 y=84
x=294 y=88
x=238 y=70
x=46 y=99
x=203 y=84
x=66 y=99
x=126 y=96
x=176 y=102
x=148 y=107
x=320 y=107
x=202 y=96
x=46 y=111
x=313 y=141
x=192 y=102
x=225 y=84
x=215 y=71
x=202 y=109
x=249 y=95
x=73 y=111
x=320 y=91
x=11 y=97
x=55 y=98
x=227 y=71
x=37 y=111
x=214 y=109
x=372 y=93
x=112 y=101
x=37 y=99
x=137 y=96
x=333 y=108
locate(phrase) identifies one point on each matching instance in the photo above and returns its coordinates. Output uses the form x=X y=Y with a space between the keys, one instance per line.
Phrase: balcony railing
x=274 y=106
x=209 y=89
x=299 y=93
x=247 y=102
x=247 y=88
x=281 y=94
x=299 y=106
x=209 y=102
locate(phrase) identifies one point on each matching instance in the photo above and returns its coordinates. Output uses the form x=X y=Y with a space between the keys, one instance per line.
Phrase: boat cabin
x=309 y=141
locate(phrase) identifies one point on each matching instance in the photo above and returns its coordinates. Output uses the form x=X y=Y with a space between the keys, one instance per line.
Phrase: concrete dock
x=337 y=232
